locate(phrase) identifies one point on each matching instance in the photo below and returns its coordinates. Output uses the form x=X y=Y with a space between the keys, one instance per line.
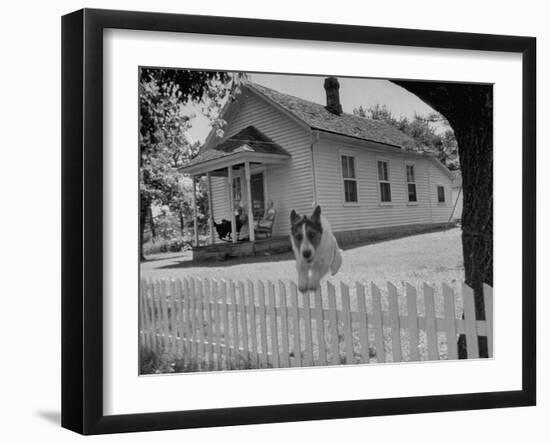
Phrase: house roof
x=316 y=116
x=249 y=139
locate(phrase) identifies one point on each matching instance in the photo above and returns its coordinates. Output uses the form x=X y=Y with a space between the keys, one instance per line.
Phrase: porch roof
x=247 y=145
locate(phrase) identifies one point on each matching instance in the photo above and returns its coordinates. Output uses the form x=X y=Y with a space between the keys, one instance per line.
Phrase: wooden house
x=296 y=153
x=456 y=196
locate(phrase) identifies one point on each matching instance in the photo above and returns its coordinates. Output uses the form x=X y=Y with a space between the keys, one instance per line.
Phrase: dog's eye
x=311 y=235
x=299 y=237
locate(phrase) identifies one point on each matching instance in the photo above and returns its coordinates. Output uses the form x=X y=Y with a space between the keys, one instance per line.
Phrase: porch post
x=210 y=208
x=249 y=202
x=195 y=218
x=231 y=205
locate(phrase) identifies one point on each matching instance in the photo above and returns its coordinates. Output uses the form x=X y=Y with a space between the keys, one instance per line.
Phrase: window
x=350 y=182
x=384 y=181
x=441 y=194
x=411 y=183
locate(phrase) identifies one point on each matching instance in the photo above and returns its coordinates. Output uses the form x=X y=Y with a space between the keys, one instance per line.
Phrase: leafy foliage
x=422 y=130
x=165 y=119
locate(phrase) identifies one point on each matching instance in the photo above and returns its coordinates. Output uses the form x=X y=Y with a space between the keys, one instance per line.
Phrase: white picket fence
x=220 y=325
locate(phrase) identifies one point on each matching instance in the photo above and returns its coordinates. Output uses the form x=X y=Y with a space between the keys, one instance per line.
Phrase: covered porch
x=239 y=167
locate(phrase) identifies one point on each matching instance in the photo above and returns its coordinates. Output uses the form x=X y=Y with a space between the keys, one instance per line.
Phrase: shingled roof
x=249 y=139
x=318 y=117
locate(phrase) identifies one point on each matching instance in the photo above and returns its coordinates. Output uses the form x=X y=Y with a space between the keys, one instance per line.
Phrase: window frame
x=388 y=181
x=341 y=154
x=444 y=202
x=409 y=202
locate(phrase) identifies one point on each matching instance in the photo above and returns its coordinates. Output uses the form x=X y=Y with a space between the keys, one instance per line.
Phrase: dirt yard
x=433 y=258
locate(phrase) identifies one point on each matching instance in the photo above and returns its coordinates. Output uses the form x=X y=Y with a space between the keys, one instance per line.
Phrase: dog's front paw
x=302 y=280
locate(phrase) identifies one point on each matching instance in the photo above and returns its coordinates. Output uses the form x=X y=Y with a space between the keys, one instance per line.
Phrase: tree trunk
x=151 y=220
x=182 y=223
x=469 y=110
x=477 y=215
x=144 y=203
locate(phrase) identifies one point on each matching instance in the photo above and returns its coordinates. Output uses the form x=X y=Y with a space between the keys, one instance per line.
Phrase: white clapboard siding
x=220 y=199
x=218 y=325
x=441 y=212
x=369 y=213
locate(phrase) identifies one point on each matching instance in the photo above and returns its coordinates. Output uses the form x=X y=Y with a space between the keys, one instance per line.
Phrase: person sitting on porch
x=243 y=232
x=265 y=225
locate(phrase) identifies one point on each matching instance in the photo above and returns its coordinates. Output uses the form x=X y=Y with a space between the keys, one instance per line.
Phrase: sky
x=353 y=93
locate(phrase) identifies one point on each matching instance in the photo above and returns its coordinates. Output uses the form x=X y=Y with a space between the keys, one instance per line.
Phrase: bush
x=153 y=363
x=178 y=244
x=164 y=362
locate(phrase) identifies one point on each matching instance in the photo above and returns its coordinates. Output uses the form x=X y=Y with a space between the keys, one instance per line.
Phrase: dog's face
x=306 y=233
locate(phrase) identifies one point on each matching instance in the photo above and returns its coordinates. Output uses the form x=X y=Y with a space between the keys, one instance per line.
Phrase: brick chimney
x=332 y=87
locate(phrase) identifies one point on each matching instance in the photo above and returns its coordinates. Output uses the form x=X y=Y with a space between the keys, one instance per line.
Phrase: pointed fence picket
x=221 y=325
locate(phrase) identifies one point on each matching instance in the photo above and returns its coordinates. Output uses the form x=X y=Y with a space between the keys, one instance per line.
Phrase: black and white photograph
x=291 y=221
x=242 y=222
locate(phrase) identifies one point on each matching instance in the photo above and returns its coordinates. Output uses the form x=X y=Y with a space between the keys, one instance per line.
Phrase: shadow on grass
x=230 y=261
x=392 y=236
x=170 y=256
x=186 y=261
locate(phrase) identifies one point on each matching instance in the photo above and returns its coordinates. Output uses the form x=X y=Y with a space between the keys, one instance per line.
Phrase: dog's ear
x=294 y=218
x=316 y=216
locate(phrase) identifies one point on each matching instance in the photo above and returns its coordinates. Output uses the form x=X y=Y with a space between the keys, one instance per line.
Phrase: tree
x=163 y=146
x=164 y=122
x=469 y=110
x=421 y=130
x=180 y=198
x=210 y=88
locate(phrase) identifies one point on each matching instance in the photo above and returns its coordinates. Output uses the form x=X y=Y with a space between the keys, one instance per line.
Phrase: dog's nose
x=306 y=253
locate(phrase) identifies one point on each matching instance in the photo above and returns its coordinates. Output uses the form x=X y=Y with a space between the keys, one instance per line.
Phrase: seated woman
x=243 y=231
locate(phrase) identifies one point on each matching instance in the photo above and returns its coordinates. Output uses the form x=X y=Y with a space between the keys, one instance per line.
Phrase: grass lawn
x=433 y=258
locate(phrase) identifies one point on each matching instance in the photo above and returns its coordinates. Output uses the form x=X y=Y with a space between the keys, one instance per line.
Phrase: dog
x=315 y=248
x=224 y=228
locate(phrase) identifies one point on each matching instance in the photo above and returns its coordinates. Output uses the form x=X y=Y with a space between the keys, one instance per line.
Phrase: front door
x=258 y=198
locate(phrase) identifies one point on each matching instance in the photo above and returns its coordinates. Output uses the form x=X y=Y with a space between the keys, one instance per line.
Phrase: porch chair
x=265 y=225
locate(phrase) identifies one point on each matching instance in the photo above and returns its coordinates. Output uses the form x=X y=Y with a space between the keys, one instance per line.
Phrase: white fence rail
x=221 y=325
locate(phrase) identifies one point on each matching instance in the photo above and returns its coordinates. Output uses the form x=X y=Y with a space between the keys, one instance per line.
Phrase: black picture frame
x=82 y=218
